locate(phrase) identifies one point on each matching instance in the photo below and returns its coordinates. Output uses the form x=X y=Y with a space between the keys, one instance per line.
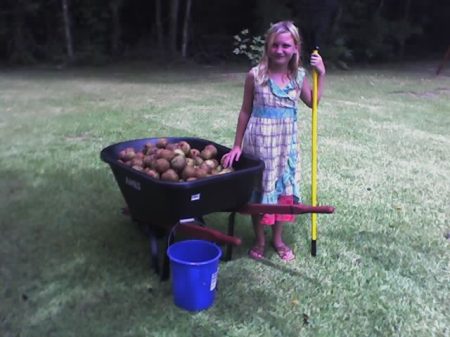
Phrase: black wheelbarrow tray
x=160 y=205
x=167 y=202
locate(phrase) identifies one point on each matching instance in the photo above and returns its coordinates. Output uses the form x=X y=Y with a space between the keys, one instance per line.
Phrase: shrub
x=252 y=46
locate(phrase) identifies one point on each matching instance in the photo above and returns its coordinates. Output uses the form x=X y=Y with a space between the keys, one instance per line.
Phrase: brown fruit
x=137 y=162
x=212 y=163
x=205 y=167
x=188 y=172
x=122 y=155
x=178 y=163
x=211 y=148
x=194 y=153
x=190 y=162
x=172 y=146
x=185 y=147
x=152 y=173
x=148 y=147
x=162 y=143
x=206 y=154
x=166 y=154
x=127 y=154
x=198 y=161
x=153 y=164
x=162 y=165
x=170 y=175
x=179 y=152
x=151 y=150
x=148 y=160
x=201 y=172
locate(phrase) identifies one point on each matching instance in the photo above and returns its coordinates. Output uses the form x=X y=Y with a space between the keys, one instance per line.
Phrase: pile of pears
x=176 y=162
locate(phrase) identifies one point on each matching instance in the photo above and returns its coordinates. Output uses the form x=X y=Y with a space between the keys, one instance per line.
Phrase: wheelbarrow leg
x=154 y=251
x=153 y=246
x=168 y=240
x=160 y=264
x=231 y=221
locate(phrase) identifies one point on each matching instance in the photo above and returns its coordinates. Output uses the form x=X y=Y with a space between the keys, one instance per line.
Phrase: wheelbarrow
x=165 y=208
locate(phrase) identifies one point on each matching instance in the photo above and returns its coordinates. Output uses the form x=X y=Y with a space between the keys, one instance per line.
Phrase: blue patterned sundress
x=271 y=135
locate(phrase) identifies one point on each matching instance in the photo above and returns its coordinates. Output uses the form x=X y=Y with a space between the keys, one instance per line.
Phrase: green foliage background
x=359 y=31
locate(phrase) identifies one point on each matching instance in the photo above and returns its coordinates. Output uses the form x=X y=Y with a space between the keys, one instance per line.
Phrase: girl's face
x=282 y=49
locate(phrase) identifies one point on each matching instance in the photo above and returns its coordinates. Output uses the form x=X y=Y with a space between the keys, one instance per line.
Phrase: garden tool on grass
x=320 y=14
x=314 y=160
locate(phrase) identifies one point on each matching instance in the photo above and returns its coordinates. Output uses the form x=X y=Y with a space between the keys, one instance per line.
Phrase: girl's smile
x=282 y=49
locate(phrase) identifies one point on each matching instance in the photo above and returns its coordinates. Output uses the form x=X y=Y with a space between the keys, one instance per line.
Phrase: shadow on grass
x=78 y=259
x=285 y=269
x=69 y=250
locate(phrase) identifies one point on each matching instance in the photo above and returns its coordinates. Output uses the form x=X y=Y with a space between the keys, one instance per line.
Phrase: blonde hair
x=262 y=73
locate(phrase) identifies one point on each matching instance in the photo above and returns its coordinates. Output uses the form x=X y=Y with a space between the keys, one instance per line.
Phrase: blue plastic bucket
x=194 y=265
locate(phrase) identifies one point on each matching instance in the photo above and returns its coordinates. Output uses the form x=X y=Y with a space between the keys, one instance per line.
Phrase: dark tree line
x=102 y=30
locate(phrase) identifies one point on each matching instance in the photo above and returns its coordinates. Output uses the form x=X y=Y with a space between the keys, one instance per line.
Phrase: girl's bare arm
x=306 y=93
x=244 y=116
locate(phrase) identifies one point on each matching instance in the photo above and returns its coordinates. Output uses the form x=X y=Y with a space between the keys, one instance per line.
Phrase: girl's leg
x=257 y=251
x=258 y=228
x=277 y=234
x=280 y=247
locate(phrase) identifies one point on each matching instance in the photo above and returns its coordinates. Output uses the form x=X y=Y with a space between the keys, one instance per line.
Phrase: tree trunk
x=187 y=19
x=18 y=41
x=116 y=29
x=158 y=23
x=380 y=6
x=403 y=37
x=20 y=47
x=173 y=26
x=68 y=30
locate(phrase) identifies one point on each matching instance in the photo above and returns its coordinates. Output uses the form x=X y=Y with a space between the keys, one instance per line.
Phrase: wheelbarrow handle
x=284 y=209
x=207 y=233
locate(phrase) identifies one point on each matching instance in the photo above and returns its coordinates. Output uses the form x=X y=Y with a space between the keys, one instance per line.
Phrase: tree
x=21 y=48
x=158 y=24
x=173 y=25
x=67 y=30
x=116 y=26
x=91 y=31
x=187 y=18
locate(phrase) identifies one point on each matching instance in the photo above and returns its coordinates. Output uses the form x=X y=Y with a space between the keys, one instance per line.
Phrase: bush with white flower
x=252 y=46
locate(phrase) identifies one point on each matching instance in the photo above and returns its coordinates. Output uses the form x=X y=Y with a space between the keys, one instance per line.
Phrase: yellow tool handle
x=314 y=159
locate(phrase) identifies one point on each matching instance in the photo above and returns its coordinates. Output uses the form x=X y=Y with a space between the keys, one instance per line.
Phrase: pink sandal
x=284 y=252
x=256 y=252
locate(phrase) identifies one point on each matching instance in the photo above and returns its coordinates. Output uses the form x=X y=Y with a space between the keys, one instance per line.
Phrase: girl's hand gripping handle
x=317 y=63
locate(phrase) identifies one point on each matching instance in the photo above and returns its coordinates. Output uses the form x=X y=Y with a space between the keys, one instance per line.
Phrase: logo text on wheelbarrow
x=133 y=183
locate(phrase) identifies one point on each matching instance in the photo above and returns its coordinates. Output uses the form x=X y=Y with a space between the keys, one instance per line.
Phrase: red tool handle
x=284 y=209
x=207 y=234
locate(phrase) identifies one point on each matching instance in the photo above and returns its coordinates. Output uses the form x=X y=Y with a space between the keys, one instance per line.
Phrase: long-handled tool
x=314 y=161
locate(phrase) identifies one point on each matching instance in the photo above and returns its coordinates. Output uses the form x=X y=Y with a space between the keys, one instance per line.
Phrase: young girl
x=267 y=128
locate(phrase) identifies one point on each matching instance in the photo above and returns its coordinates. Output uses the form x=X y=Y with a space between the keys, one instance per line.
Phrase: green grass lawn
x=73 y=265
